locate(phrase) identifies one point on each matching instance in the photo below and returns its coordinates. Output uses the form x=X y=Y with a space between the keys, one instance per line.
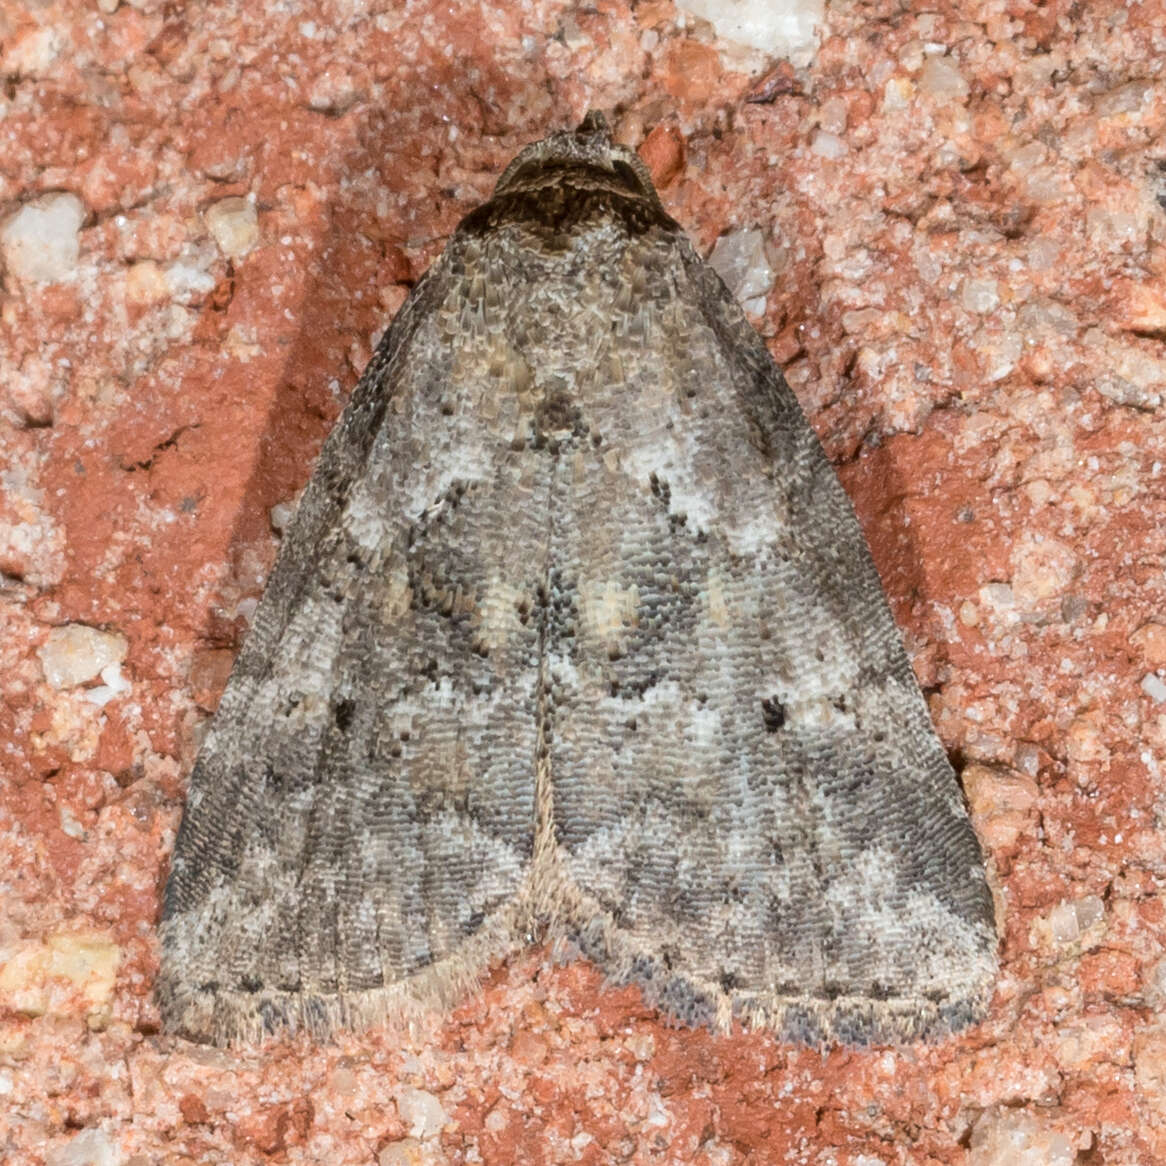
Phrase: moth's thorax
x=575 y=208
x=587 y=257
x=581 y=160
x=557 y=297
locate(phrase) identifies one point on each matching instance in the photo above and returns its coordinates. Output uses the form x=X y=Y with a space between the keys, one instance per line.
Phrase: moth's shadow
x=363 y=263
x=921 y=538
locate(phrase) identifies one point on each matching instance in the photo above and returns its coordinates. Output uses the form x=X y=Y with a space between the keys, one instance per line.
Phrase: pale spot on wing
x=498 y=613
x=608 y=611
x=715 y=601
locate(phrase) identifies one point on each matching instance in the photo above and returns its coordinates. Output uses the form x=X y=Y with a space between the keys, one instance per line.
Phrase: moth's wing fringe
x=227 y=1017
x=237 y=1018
x=800 y=1019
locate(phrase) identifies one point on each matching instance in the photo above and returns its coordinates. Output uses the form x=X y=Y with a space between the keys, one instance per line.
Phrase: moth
x=575 y=636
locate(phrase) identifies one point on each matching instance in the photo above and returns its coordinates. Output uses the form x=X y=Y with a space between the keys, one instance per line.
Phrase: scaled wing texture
x=575 y=632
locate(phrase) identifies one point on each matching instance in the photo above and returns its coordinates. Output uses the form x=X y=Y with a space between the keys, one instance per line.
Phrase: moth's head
x=586 y=157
